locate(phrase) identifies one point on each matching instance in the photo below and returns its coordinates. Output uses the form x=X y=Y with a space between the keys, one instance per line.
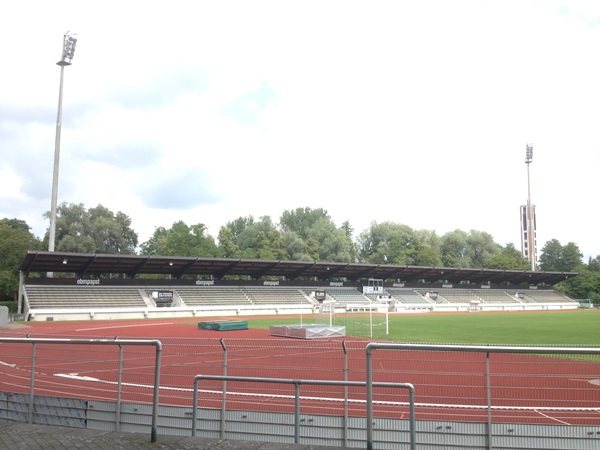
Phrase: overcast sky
x=416 y=112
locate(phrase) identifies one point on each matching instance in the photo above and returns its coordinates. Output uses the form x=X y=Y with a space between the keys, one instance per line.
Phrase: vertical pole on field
x=68 y=51
x=531 y=250
x=387 y=320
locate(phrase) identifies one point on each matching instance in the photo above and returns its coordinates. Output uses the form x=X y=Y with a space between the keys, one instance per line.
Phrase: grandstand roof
x=88 y=264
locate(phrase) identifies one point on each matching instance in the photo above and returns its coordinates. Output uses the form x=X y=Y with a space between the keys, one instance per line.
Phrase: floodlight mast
x=530 y=222
x=68 y=52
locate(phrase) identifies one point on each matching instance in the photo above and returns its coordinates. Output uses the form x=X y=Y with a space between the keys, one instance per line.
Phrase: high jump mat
x=223 y=325
x=307 y=331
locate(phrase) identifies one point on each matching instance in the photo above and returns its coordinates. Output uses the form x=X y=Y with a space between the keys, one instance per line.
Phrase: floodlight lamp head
x=69 y=43
x=528 y=153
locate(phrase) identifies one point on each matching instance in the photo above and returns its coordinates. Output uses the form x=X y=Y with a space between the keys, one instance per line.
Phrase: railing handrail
x=119 y=342
x=461 y=348
x=297 y=383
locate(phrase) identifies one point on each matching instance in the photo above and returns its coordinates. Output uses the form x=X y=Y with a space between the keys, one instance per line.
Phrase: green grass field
x=522 y=328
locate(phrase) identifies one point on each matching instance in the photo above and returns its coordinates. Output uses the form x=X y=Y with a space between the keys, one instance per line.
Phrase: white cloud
x=414 y=112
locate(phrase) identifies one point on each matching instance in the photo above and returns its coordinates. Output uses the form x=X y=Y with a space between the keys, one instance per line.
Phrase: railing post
x=413 y=419
x=32 y=383
x=224 y=389
x=297 y=412
x=488 y=382
x=153 y=433
x=345 y=419
x=195 y=405
x=369 y=388
x=119 y=388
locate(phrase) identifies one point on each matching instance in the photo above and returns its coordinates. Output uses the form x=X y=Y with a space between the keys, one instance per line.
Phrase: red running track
x=448 y=385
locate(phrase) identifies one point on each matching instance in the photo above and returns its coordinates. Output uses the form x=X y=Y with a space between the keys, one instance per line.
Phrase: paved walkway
x=20 y=436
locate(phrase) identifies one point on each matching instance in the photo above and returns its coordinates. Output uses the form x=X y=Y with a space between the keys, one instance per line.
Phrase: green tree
x=427 y=248
x=453 y=249
x=473 y=249
x=387 y=243
x=509 y=258
x=112 y=232
x=323 y=241
x=239 y=232
x=295 y=247
x=571 y=257
x=269 y=245
x=555 y=257
x=584 y=286
x=349 y=232
x=247 y=238
x=302 y=220
x=97 y=230
x=15 y=241
x=329 y=242
x=594 y=264
x=481 y=248
x=180 y=240
x=227 y=246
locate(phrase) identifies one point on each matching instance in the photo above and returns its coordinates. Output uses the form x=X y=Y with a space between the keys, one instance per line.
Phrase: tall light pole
x=530 y=222
x=68 y=51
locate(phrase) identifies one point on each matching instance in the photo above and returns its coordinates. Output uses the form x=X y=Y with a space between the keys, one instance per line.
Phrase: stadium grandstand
x=105 y=286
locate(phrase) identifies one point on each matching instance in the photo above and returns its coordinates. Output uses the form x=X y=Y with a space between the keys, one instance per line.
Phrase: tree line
x=301 y=234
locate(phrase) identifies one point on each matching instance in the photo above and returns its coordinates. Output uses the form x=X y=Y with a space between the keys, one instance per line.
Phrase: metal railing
x=487 y=350
x=118 y=342
x=298 y=383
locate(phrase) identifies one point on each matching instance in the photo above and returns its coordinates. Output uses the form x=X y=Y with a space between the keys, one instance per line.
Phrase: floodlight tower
x=68 y=51
x=531 y=250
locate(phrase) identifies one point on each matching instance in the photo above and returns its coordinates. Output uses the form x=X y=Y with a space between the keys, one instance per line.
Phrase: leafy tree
x=112 y=232
x=453 y=249
x=462 y=249
x=238 y=231
x=349 y=232
x=426 y=248
x=269 y=245
x=295 y=248
x=302 y=220
x=594 y=264
x=509 y=258
x=312 y=247
x=227 y=246
x=16 y=224
x=387 y=243
x=251 y=239
x=15 y=241
x=323 y=241
x=571 y=257
x=328 y=242
x=97 y=230
x=555 y=257
x=180 y=240
x=584 y=286
x=481 y=248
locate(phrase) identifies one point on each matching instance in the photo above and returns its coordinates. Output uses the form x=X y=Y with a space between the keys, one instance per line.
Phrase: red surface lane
x=449 y=386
